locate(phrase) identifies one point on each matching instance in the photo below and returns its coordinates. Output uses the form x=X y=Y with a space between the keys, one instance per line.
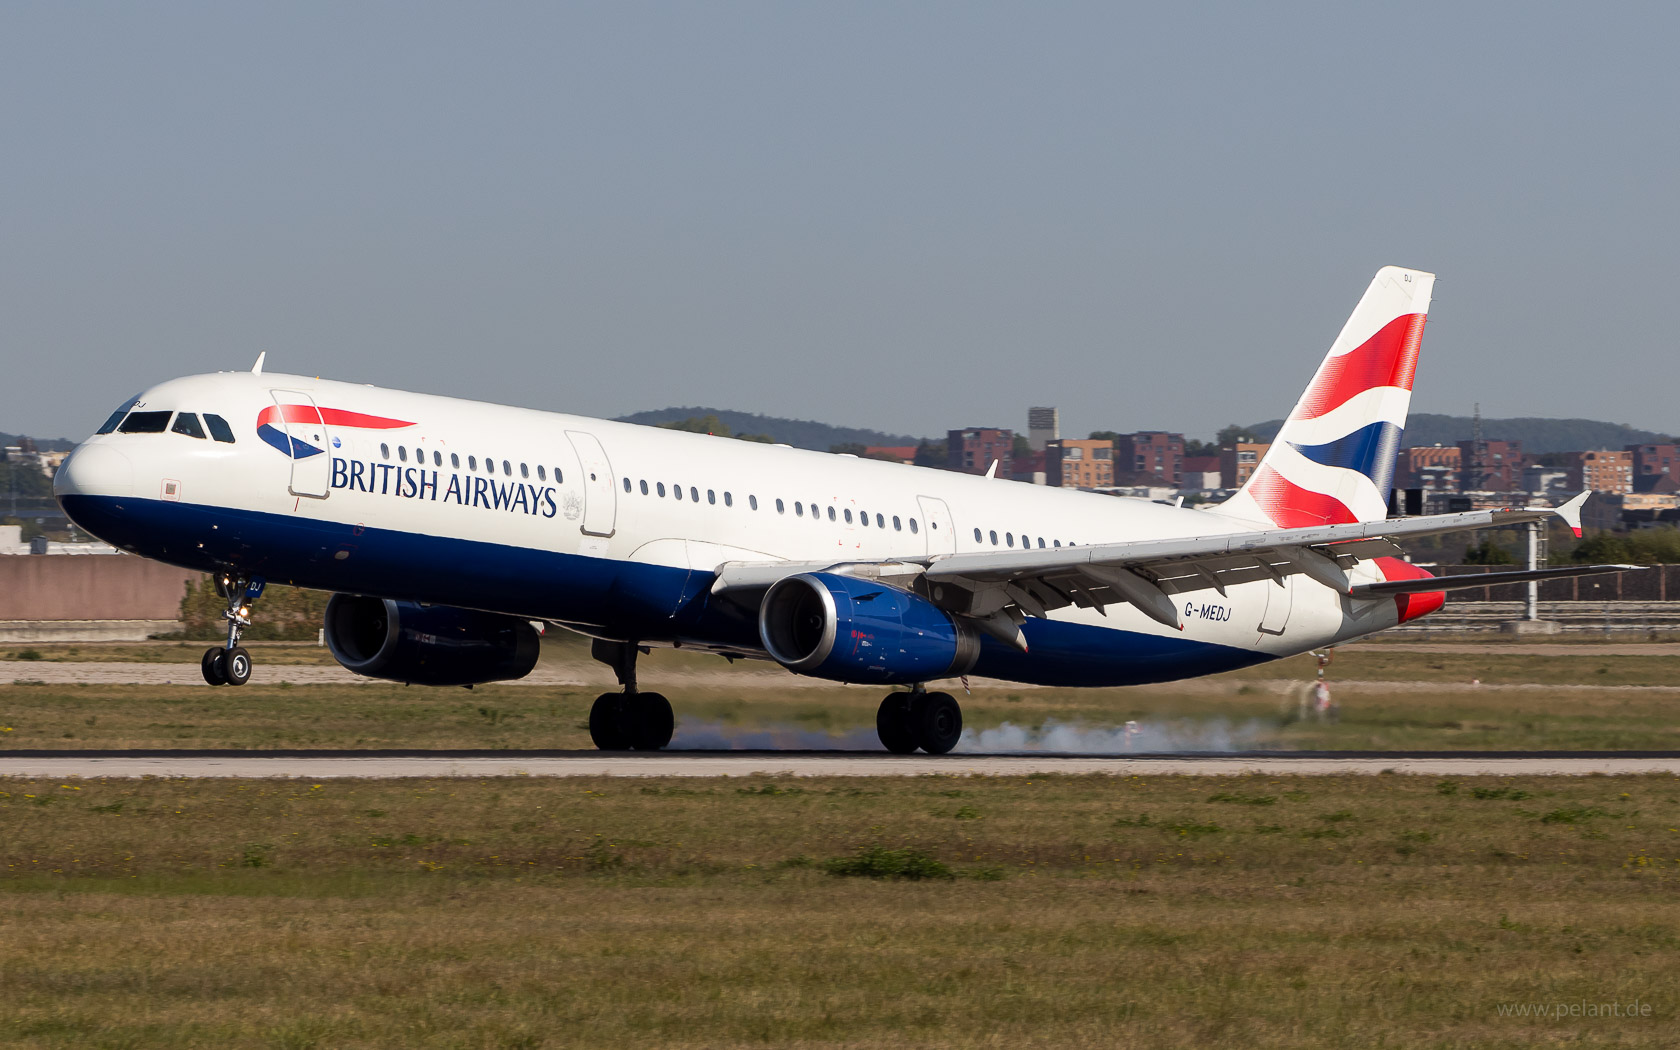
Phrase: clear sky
x=905 y=216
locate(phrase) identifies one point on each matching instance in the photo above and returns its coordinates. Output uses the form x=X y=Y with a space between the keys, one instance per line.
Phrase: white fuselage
x=598 y=525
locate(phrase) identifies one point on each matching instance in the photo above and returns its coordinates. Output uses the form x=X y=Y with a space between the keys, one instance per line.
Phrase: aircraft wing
x=998 y=589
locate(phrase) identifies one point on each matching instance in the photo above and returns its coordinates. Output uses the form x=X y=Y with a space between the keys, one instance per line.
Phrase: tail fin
x=1333 y=461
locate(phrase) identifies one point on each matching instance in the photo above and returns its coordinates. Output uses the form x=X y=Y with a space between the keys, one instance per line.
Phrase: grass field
x=1392 y=697
x=1094 y=911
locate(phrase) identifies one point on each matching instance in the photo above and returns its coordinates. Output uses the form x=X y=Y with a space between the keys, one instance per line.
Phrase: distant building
x=1152 y=452
x=1201 y=474
x=1238 y=462
x=892 y=453
x=1044 y=425
x=1432 y=468
x=1652 y=460
x=1072 y=464
x=1490 y=466
x=1032 y=468
x=1602 y=470
x=1540 y=481
x=973 y=450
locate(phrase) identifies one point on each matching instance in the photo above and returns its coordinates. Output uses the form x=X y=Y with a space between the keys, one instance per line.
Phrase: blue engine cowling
x=853 y=630
x=428 y=645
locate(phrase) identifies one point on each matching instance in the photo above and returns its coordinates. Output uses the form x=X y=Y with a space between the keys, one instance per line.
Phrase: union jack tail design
x=1333 y=461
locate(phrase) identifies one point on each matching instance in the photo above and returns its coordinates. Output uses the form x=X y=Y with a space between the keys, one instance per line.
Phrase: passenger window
x=729 y=501
x=976 y=535
x=752 y=501
x=559 y=478
x=830 y=513
x=863 y=518
x=694 y=494
x=880 y=522
x=542 y=472
x=437 y=459
x=524 y=471
x=780 y=509
x=711 y=497
x=897 y=526
x=472 y=462
x=676 y=491
x=1009 y=539
x=145 y=423
x=913 y=525
x=507 y=468
x=219 y=428
x=187 y=423
x=384 y=450
x=848 y=516
x=455 y=460
x=994 y=537
x=419 y=455
x=1041 y=543
x=798 y=509
x=489 y=465
x=626 y=484
x=660 y=485
x=1058 y=543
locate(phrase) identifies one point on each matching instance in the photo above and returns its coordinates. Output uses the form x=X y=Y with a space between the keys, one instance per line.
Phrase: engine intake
x=428 y=645
x=851 y=630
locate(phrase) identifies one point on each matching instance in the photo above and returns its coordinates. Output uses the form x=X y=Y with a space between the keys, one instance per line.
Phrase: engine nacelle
x=852 y=630
x=428 y=645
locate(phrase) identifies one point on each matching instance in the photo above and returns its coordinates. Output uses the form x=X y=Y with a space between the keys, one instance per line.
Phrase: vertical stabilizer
x=1333 y=461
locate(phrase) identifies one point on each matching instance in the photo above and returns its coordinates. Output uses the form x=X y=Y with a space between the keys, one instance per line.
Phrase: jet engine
x=852 y=630
x=428 y=645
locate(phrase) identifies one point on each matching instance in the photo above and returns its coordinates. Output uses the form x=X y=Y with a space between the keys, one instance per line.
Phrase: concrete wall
x=69 y=587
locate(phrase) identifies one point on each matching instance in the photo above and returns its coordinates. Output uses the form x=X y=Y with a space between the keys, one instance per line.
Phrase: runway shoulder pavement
x=319 y=765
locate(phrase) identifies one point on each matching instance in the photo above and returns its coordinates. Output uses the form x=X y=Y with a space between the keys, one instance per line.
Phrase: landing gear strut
x=631 y=719
x=919 y=719
x=230 y=664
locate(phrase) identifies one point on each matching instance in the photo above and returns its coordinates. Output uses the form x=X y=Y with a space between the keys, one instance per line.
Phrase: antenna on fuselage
x=256 y=369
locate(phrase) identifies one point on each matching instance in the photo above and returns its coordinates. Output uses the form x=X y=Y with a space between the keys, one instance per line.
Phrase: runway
x=322 y=765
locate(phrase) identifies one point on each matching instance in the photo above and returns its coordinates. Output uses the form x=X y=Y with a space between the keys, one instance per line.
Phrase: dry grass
x=1378 y=911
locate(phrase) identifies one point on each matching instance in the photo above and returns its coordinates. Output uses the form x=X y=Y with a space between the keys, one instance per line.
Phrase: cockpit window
x=218 y=428
x=145 y=423
x=117 y=416
x=187 y=423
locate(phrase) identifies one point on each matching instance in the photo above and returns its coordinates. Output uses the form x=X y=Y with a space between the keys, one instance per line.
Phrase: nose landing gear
x=918 y=719
x=230 y=664
x=631 y=719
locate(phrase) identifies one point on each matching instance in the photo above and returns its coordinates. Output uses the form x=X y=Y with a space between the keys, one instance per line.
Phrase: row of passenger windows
x=186 y=423
x=472 y=463
x=1009 y=539
x=800 y=509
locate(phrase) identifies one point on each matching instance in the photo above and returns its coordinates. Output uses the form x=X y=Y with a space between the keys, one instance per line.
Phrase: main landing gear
x=230 y=664
x=919 y=719
x=631 y=719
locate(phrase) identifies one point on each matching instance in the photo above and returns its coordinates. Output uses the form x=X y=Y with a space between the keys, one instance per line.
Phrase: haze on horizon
x=906 y=217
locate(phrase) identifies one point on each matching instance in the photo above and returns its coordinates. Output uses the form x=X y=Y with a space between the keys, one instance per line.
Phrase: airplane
x=452 y=532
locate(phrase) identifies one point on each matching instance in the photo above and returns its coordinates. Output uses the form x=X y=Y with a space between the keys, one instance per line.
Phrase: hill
x=1536 y=434
x=44 y=444
x=800 y=433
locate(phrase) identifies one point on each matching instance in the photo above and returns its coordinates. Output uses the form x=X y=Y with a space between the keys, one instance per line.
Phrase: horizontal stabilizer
x=1389 y=588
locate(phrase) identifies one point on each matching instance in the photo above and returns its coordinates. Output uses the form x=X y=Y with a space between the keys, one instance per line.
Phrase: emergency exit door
x=600 y=500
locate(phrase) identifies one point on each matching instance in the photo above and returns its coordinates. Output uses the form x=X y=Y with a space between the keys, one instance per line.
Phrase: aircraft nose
x=94 y=470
